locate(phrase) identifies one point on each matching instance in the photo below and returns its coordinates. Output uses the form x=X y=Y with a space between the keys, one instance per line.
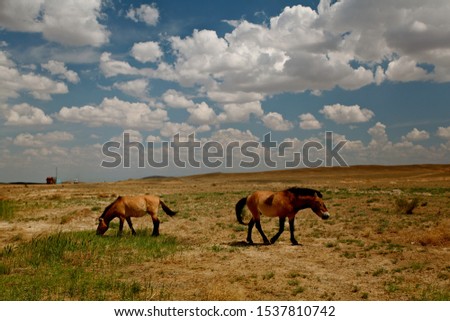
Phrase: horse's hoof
x=294 y=242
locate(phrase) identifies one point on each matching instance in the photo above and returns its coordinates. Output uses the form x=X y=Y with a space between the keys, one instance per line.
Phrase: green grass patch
x=82 y=266
x=433 y=293
x=431 y=190
x=7 y=210
x=352 y=241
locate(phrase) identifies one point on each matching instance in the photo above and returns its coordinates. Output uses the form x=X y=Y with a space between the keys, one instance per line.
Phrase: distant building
x=51 y=180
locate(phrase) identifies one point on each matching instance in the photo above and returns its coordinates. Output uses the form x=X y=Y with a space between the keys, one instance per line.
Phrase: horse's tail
x=239 y=207
x=167 y=209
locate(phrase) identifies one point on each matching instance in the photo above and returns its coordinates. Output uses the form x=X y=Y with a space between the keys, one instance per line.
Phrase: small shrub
x=406 y=206
x=379 y=272
x=297 y=290
x=268 y=275
x=355 y=289
x=349 y=255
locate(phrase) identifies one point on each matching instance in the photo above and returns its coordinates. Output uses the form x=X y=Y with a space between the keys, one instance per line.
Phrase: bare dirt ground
x=367 y=250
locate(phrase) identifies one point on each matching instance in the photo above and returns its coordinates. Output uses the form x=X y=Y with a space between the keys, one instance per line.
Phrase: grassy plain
x=370 y=248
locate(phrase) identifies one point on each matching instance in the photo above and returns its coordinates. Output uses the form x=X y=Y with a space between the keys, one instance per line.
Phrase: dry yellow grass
x=436 y=236
x=368 y=250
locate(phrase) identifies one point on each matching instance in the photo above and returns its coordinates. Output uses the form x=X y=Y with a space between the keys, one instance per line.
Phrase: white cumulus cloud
x=136 y=88
x=417 y=135
x=13 y=82
x=177 y=99
x=146 y=51
x=111 y=67
x=113 y=111
x=41 y=139
x=169 y=129
x=308 y=121
x=342 y=114
x=202 y=114
x=379 y=135
x=225 y=136
x=276 y=122
x=148 y=14
x=406 y=69
x=240 y=112
x=73 y=25
x=58 y=68
x=25 y=114
x=443 y=132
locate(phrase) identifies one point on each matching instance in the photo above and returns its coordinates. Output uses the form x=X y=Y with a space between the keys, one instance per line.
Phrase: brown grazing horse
x=125 y=207
x=282 y=204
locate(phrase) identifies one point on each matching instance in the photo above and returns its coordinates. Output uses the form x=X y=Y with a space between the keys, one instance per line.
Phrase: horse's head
x=309 y=198
x=102 y=226
x=318 y=207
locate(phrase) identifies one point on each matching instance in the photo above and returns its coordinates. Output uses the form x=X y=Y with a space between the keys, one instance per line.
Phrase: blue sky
x=77 y=74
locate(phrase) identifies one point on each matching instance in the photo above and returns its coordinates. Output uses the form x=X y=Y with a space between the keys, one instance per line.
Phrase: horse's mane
x=301 y=191
x=108 y=207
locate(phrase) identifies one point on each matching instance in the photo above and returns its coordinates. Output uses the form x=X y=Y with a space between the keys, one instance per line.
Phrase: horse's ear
x=315 y=194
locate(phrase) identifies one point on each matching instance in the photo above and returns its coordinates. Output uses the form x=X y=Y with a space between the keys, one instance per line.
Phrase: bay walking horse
x=126 y=207
x=283 y=204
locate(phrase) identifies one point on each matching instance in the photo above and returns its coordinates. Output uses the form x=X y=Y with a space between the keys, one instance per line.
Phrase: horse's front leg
x=131 y=226
x=292 y=229
x=120 y=226
x=280 y=231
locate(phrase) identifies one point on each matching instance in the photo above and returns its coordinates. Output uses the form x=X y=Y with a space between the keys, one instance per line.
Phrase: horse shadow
x=246 y=244
x=243 y=244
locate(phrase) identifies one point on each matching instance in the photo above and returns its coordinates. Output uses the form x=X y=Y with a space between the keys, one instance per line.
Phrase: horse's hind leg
x=281 y=229
x=131 y=226
x=249 y=233
x=155 y=227
x=292 y=229
x=259 y=228
x=155 y=221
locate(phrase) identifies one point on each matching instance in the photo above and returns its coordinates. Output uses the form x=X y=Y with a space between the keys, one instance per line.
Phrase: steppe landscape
x=370 y=248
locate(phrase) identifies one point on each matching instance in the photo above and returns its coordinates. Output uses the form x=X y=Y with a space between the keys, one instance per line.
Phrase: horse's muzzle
x=325 y=216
